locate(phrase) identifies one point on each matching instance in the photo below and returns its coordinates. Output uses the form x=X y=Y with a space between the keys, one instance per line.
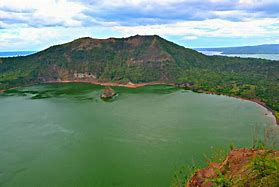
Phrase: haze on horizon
x=38 y=24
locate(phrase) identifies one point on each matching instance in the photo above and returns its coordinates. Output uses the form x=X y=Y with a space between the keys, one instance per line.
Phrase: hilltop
x=144 y=59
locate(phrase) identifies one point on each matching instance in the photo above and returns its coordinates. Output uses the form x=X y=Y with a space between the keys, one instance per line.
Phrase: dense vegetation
x=257 y=166
x=145 y=59
x=242 y=167
x=259 y=49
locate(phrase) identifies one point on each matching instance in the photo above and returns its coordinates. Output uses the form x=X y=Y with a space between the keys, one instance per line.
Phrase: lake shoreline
x=270 y=112
x=112 y=84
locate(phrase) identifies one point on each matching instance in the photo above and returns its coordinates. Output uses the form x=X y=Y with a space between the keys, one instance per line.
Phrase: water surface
x=263 y=56
x=65 y=135
x=16 y=53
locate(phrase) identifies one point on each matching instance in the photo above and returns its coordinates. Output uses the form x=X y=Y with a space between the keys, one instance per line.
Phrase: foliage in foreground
x=257 y=166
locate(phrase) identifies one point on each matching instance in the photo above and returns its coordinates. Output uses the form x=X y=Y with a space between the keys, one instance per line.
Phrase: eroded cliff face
x=85 y=75
x=135 y=59
x=242 y=167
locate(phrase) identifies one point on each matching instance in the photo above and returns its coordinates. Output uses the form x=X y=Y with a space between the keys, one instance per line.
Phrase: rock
x=107 y=93
x=186 y=85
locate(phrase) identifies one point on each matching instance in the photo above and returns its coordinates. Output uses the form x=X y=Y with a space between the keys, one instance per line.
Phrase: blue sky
x=38 y=24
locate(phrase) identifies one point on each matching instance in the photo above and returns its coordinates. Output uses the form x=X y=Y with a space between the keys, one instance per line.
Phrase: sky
x=37 y=24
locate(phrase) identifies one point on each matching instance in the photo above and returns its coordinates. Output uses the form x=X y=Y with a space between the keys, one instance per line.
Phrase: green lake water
x=65 y=135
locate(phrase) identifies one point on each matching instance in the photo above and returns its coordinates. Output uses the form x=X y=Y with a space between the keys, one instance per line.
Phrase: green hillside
x=144 y=59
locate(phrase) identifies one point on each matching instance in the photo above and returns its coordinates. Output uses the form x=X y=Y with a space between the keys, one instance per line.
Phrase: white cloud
x=247 y=1
x=207 y=28
x=39 y=38
x=144 y=3
x=190 y=37
x=43 y=12
x=36 y=24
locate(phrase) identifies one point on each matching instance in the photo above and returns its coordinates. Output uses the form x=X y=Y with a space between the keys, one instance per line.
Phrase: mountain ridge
x=256 y=49
x=143 y=59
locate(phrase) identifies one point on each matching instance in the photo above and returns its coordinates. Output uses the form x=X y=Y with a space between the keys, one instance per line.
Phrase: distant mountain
x=259 y=49
x=15 y=53
x=141 y=59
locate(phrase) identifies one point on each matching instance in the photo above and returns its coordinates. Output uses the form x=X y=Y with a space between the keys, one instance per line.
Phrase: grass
x=276 y=114
x=185 y=173
x=221 y=180
x=260 y=171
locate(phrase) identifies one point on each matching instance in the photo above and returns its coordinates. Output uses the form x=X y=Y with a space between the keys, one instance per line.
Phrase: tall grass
x=262 y=171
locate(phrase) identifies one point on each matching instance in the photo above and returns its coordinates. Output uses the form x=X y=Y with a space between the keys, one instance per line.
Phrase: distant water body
x=210 y=53
x=65 y=135
x=263 y=56
x=15 y=53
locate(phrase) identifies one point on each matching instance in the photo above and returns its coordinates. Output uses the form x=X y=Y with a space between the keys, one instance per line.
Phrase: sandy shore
x=268 y=111
x=127 y=85
x=1 y=91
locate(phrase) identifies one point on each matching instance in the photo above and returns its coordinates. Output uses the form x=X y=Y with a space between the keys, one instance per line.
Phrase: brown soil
x=234 y=164
x=107 y=93
x=128 y=85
